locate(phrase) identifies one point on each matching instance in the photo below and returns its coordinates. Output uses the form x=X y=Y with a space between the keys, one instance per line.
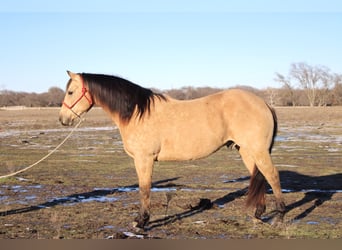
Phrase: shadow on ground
x=317 y=189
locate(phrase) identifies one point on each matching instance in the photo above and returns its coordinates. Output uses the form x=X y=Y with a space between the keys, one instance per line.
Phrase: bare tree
x=324 y=96
x=289 y=90
x=272 y=95
x=337 y=90
x=316 y=81
x=311 y=79
x=55 y=96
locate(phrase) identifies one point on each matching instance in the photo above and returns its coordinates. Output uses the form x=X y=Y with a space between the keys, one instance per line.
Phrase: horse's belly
x=187 y=149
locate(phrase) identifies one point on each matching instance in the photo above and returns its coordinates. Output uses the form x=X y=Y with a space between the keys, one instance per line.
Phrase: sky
x=165 y=44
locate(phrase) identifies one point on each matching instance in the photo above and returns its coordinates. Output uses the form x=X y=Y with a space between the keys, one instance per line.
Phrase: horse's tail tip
x=257 y=189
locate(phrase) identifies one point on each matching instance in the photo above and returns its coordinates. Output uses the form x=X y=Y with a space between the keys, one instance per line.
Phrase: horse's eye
x=70 y=92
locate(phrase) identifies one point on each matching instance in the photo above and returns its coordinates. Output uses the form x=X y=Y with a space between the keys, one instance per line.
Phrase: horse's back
x=198 y=127
x=185 y=130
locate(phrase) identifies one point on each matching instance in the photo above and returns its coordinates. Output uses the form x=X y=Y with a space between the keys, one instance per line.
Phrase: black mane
x=120 y=95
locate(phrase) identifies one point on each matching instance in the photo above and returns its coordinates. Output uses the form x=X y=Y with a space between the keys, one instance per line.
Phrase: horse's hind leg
x=256 y=192
x=264 y=163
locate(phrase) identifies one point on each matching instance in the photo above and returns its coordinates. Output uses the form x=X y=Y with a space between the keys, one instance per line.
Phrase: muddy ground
x=88 y=188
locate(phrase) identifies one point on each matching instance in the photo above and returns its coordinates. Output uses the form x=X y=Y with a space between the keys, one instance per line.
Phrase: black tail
x=256 y=190
x=275 y=126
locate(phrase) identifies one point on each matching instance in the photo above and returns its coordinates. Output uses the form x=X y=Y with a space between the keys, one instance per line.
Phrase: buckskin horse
x=156 y=127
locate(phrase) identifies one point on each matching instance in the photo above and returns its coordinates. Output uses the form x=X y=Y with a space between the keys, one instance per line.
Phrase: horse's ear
x=71 y=74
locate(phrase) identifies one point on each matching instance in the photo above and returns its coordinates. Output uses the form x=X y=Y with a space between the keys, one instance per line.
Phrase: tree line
x=52 y=98
x=303 y=85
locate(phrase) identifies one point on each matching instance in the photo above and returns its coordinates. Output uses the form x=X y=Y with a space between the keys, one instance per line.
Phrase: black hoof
x=142 y=220
x=259 y=211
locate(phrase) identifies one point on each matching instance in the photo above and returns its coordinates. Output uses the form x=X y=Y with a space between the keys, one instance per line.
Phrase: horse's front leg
x=144 y=167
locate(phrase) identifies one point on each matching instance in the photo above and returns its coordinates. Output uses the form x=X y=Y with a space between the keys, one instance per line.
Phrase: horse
x=156 y=127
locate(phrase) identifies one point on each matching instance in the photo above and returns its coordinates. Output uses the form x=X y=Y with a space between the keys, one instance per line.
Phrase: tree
x=272 y=95
x=55 y=96
x=289 y=92
x=337 y=90
x=314 y=80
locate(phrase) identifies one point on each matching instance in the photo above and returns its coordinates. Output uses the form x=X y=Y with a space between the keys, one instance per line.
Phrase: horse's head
x=77 y=100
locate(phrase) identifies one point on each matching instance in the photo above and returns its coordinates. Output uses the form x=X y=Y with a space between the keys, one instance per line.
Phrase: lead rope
x=46 y=156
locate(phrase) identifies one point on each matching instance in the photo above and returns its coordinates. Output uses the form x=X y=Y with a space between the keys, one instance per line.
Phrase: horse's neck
x=115 y=116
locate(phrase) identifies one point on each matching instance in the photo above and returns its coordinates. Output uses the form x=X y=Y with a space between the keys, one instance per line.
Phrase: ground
x=88 y=188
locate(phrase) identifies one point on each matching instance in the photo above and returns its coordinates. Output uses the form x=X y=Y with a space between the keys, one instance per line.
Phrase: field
x=88 y=188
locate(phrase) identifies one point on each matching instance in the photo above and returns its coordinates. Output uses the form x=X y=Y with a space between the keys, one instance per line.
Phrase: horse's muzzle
x=66 y=121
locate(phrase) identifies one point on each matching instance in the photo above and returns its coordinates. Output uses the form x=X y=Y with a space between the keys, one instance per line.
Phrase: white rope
x=46 y=156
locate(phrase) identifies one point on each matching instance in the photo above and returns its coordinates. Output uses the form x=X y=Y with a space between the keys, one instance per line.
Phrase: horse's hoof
x=259 y=211
x=141 y=221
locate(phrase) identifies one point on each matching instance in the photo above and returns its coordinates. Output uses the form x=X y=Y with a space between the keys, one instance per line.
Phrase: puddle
x=287 y=166
x=306 y=136
x=106 y=227
x=312 y=223
x=333 y=150
x=3 y=197
x=21 y=189
x=284 y=190
x=164 y=189
x=24 y=194
x=70 y=201
x=241 y=179
x=332 y=144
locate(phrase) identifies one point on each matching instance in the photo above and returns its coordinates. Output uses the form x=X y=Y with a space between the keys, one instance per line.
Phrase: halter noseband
x=84 y=91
